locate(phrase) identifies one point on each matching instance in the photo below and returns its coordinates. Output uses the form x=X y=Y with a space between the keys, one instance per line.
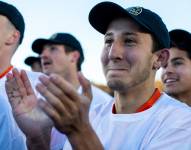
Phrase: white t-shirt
x=164 y=126
x=11 y=137
x=99 y=97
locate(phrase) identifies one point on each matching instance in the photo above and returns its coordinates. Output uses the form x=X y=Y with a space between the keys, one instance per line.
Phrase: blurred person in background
x=62 y=54
x=176 y=75
x=34 y=63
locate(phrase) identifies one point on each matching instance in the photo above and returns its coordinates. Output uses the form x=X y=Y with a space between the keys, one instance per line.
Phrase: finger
x=65 y=86
x=57 y=92
x=86 y=86
x=9 y=76
x=27 y=83
x=49 y=111
x=12 y=91
x=51 y=87
x=8 y=81
x=51 y=99
x=18 y=82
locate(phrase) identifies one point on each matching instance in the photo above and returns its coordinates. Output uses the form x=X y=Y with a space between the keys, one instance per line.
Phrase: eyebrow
x=124 y=34
x=177 y=58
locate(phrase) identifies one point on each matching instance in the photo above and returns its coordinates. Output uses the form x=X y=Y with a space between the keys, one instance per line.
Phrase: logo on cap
x=135 y=10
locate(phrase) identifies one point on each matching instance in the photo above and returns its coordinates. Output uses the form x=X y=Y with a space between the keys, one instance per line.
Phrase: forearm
x=85 y=139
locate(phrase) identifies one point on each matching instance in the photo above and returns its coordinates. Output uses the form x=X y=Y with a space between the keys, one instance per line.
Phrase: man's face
x=176 y=75
x=5 y=31
x=54 y=59
x=127 y=56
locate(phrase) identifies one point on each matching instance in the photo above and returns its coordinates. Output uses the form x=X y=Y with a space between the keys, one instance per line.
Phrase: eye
x=129 y=41
x=53 y=48
x=177 y=63
x=108 y=41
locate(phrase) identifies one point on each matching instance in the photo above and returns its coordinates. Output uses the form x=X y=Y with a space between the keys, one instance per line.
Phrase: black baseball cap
x=60 y=38
x=103 y=13
x=31 y=59
x=181 y=39
x=14 y=16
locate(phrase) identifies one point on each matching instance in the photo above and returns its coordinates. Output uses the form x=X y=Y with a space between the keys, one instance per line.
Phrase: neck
x=133 y=98
x=4 y=67
x=184 y=97
x=5 y=58
x=72 y=78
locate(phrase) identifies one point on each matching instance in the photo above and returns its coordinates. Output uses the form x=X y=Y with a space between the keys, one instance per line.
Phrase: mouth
x=116 y=69
x=46 y=64
x=170 y=81
x=116 y=72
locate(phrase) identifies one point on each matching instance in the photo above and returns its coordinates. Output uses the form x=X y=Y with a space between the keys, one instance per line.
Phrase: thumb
x=86 y=86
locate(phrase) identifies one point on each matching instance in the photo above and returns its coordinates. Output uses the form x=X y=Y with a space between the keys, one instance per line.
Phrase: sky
x=46 y=17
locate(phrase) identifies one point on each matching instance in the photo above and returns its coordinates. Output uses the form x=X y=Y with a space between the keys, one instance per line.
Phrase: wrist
x=40 y=141
x=85 y=138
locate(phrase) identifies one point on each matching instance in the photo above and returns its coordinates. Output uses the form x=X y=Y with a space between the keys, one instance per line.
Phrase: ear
x=162 y=58
x=13 y=38
x=75 y=55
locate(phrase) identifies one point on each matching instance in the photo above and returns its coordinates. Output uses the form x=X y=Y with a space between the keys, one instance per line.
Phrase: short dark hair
x=181 y=39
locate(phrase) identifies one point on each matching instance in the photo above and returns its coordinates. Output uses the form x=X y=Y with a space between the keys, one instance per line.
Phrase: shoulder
x=173 y=104
x=174 y=112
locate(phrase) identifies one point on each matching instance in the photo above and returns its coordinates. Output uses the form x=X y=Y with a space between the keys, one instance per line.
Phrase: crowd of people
x=54 y=107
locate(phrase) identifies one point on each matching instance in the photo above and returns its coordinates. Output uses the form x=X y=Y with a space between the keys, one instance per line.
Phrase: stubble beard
x=122 y=86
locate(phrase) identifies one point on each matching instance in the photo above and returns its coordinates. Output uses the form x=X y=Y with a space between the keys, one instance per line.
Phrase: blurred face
x=54 y=59
x=36 y=66
x=176 y=75
x=127 y=56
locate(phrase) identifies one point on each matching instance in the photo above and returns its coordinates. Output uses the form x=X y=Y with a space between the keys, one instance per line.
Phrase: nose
x=116 y=51
x=167 y=70
x=45 y=53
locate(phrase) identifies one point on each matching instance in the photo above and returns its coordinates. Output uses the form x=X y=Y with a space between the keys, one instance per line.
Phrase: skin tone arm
x=69 y=110
x=29 y=117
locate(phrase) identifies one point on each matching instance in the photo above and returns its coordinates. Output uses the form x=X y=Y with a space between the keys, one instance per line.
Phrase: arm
x=69 y=110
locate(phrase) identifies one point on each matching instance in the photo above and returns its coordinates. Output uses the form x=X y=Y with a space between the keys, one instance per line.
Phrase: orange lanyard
x=6 y=71
x=148 y=104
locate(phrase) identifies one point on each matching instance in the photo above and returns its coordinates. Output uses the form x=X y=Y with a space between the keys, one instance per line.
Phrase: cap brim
x=38 y=44
x=103 y=13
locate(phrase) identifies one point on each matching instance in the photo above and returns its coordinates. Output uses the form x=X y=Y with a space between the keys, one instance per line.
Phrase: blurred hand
x=32 y=121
